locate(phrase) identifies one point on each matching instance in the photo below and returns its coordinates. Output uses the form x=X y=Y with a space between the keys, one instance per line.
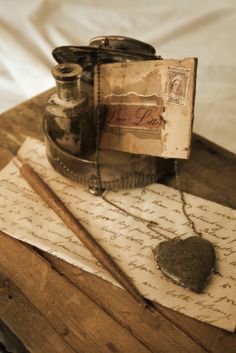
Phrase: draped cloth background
x=29 y=30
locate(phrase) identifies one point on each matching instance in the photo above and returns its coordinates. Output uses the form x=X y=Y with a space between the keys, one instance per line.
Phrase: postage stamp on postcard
x=176 y=89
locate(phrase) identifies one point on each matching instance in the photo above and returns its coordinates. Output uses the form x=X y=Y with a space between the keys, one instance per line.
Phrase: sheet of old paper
x=127 y=237
x=148 y=106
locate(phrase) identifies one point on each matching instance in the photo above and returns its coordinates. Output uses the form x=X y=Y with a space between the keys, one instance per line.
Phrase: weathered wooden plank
x=116 y=302
x=83 y=325
x=10 y=341
x=149 y=327
x=214 y=339
x=26 y=118
x=17 y=312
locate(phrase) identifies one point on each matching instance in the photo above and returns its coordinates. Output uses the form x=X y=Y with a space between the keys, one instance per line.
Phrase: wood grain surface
x=52 y=306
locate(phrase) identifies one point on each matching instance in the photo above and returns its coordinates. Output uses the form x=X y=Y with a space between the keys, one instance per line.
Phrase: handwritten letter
x=128 y=236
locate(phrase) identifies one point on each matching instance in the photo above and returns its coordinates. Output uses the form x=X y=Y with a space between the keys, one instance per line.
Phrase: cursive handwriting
x=129 y=233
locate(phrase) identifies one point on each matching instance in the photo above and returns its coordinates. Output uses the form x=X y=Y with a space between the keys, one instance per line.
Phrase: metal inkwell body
x=70 y=122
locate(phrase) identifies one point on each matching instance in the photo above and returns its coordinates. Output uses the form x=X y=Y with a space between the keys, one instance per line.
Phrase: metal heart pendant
x=187 y=262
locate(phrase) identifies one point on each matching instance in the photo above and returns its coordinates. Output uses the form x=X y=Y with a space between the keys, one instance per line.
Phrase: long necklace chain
x=100 y=191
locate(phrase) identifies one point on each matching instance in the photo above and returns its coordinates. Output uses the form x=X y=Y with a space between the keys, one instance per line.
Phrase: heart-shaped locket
x=187 y=262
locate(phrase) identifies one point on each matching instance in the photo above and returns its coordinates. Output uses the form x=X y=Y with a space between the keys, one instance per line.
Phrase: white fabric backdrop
x=30 y=29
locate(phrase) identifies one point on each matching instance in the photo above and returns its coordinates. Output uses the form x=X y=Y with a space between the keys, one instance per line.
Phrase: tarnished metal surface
x=118 y=170
x=188 y=262
x=79 y=162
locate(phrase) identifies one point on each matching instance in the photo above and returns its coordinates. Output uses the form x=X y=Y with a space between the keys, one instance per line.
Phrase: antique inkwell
x=71 y=123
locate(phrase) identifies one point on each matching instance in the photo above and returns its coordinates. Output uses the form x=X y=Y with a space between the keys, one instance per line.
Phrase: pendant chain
x=183 y=200
x=150 y=224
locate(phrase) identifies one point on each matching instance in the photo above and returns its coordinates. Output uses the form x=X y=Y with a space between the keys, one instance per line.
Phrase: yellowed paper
x=148 y=106
x=128 y=238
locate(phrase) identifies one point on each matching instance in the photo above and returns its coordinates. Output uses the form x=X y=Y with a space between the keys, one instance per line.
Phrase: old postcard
x=147 y=106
